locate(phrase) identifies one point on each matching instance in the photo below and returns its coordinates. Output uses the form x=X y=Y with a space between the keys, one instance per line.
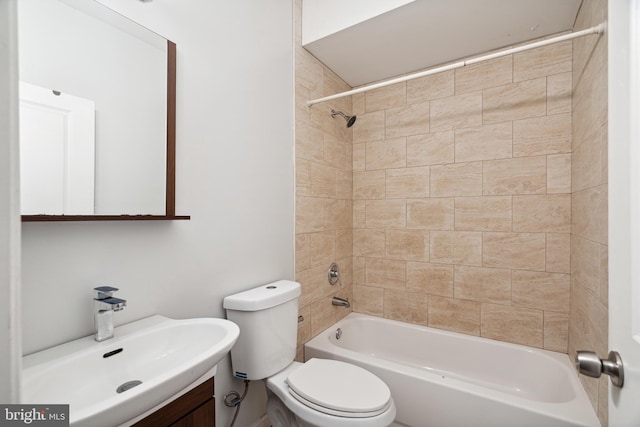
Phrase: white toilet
x=317 y=393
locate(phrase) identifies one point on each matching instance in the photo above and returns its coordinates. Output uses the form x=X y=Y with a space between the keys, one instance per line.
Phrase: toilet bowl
x=324 y=392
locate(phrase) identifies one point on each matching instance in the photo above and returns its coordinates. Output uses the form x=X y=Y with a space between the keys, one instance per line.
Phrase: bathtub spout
x=341 y=302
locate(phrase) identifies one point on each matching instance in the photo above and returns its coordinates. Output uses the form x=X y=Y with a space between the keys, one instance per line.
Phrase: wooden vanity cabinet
x=196 y=408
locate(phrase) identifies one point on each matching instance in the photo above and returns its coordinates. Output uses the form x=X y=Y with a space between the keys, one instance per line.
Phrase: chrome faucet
x=341 y=302
x=104 y=304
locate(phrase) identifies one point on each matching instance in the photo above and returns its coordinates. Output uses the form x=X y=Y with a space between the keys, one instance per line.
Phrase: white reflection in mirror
x=57 y=146
x=82 y=49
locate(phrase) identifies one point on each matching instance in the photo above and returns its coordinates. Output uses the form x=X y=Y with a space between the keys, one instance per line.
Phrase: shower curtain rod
x=598 y=29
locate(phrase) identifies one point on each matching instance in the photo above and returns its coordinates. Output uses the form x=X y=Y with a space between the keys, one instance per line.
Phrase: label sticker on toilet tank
x=34 y=415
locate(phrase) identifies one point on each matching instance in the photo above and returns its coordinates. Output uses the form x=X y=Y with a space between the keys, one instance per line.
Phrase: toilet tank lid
x=263 y=297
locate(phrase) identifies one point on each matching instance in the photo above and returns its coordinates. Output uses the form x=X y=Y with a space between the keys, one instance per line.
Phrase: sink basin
x=110 y=382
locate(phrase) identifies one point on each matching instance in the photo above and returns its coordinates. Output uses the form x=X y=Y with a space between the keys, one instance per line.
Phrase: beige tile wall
x=589 y=241
x=462 y=199
x=324 y=193
x=473 y=200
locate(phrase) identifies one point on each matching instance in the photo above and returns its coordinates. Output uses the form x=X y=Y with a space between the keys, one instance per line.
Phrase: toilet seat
x=334 y=412
x=338 y=388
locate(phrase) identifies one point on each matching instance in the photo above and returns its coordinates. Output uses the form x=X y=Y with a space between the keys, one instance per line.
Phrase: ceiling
x=425 y=33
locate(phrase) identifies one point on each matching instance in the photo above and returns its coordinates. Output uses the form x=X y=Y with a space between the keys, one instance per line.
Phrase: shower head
x=350 y=119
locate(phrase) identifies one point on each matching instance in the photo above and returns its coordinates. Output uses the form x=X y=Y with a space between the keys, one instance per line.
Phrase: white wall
x=9 y=208
x=235 y=178
x=321 y=18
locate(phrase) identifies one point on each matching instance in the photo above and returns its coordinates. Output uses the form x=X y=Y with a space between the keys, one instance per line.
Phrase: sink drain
x=128 y=385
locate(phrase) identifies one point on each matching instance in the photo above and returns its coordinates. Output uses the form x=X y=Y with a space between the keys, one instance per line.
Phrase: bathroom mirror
x=87 y=71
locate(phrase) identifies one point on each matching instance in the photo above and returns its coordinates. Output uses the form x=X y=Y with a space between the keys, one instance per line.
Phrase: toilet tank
x=268 y=320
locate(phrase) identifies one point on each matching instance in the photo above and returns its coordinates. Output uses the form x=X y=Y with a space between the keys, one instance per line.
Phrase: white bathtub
x=444 y=379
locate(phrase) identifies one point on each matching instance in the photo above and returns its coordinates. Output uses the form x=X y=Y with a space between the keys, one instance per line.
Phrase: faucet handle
x=103 y=292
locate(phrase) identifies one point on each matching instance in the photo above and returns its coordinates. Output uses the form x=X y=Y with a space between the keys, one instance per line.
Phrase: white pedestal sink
x=110 y=382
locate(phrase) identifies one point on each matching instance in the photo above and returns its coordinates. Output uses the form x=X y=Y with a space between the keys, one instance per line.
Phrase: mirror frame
x=170 y=186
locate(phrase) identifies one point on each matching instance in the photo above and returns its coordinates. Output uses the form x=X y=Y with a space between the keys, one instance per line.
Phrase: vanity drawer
x=194 y=408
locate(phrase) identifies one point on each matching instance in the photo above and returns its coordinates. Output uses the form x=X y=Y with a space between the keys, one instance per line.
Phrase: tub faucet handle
x=333 y=275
